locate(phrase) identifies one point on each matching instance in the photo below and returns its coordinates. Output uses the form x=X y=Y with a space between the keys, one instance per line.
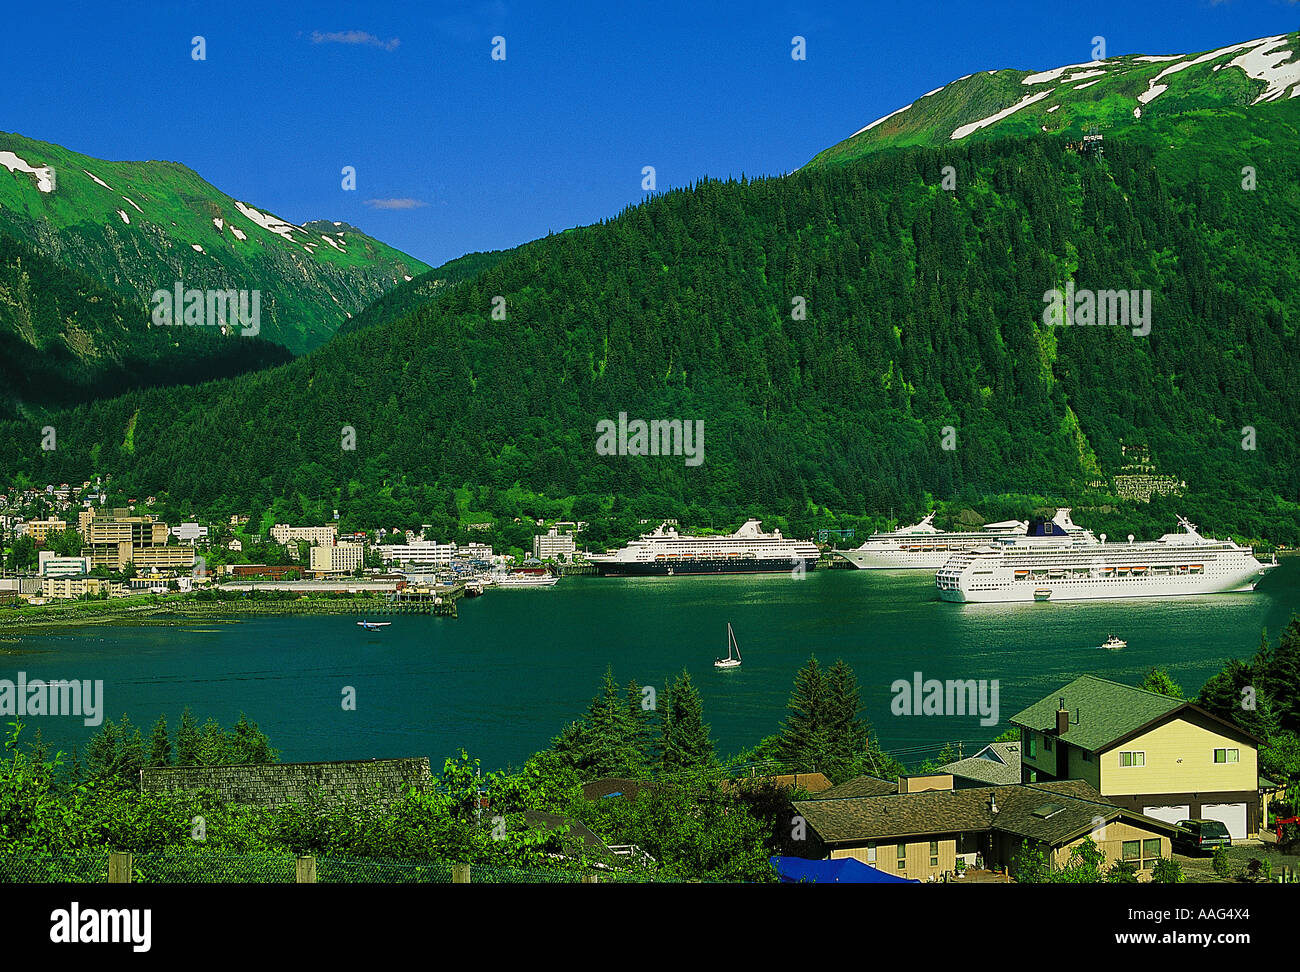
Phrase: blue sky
x=500 y=152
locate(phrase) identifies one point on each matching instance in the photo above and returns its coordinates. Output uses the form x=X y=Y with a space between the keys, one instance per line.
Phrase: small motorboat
x=373 y=625
x=1112 y=643
x=733 y=652
x=1042 y=594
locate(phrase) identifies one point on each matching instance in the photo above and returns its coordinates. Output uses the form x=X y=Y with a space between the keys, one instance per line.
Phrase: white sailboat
x=730 y=661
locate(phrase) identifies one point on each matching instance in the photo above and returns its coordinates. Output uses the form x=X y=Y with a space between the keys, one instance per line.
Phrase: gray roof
x=859 y=786
x=1055 y=813
x=997 y=764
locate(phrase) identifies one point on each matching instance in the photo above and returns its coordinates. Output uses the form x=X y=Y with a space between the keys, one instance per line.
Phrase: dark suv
x=1201 y=835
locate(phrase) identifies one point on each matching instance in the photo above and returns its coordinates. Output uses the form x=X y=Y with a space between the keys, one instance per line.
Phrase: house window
x=1033 y=744
x=871 y=853
x=1047 y=744
x=934 y=853
x=1132 y=759
x=1143 y=854
x=1085 y=755
x=902 y=857
x=1227 y=755
x=1150 y=852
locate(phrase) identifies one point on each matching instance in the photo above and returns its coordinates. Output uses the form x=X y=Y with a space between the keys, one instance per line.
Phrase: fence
x=206 y=867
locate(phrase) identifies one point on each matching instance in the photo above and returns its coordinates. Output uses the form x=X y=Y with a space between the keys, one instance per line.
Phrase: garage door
x=1232 y=814
x=1169 y=814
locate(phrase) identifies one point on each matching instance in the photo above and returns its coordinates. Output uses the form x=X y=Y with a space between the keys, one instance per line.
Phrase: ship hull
x=894 y=559
x=1104 y=589
x=689 y=567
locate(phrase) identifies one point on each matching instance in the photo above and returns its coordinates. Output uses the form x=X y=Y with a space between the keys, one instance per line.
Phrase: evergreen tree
x=160 y=747
x=1280 y=676
x=848 y=734
x=685 y=743
x=187 y=740
x=805 y=735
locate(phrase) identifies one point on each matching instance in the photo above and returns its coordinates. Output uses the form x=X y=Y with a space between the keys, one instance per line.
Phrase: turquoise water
x=517 y=665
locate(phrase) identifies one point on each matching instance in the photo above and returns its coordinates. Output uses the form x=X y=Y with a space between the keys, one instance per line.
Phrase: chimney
x=993 y=803
x=1062 y=719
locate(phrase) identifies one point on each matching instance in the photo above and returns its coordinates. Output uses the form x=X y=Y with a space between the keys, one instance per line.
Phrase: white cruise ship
x=923 y=546
x=1177 y=563
x=747 y=551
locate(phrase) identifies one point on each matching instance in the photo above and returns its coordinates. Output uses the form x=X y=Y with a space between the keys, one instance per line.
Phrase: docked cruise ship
x=925 y=546
x=747 y=551
x=1177 y=563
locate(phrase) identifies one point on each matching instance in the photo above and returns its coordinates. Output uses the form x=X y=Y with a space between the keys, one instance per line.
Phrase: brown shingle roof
x=812 y=783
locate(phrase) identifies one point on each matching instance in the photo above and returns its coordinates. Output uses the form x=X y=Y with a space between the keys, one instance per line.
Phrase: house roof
x=859 y=786
x=1108 y=713
x=1054 y=813
x=579 y=835
x=997 y=764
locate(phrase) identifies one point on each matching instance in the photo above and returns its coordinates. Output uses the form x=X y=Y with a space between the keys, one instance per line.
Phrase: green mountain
x=1119 y=96
x=138 y=227
x=66 y=339
x=854 y=338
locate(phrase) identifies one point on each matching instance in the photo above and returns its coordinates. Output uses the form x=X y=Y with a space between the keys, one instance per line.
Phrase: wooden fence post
x=591 y=879
x=460 y=874
x=306 y=870
x=119 y=867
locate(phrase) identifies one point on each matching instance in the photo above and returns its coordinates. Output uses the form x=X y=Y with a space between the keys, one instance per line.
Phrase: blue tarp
x=845 y=870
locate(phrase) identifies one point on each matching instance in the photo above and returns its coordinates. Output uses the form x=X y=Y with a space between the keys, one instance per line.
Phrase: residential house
x=1162 y=757
x=997 y=764
x=922 y=834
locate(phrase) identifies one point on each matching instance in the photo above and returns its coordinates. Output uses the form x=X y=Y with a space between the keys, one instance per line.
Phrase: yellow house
x=1162 y=757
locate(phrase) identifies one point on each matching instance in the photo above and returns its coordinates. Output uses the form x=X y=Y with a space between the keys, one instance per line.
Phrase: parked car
x=1198 y=836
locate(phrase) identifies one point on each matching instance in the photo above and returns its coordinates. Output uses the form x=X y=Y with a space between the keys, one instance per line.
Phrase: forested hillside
x=65 y=339
x=924 y=309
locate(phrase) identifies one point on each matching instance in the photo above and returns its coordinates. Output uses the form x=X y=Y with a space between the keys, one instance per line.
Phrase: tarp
x=845 y=870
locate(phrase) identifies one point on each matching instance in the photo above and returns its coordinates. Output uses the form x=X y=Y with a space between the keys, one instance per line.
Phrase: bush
x=1167 y=871
x=1221 y=863
x=1122 y=872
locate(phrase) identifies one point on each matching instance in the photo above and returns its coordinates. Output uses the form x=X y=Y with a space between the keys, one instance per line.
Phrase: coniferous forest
x=827 y=327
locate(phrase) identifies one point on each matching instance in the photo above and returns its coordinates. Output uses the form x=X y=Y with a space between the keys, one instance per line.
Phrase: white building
x=419 y=554
x=554 y=545
x=49 y=564
x=282 y=533
x=339 y=558
x=189 y=532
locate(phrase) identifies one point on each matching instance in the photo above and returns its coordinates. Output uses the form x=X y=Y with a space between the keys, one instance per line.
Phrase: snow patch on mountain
x=218 y=222
x=1024 y=102
x=1082 y=75
x=1158 y=57
x=1151 y=93
x=1042 y=77
x=239 y=234
x=879 y=120
x=98 y=179
x=1052 y=109
x=333 y=243
x=1086 y=84
x=268 y=222
x=196 y=248
x=1266 y=63
x=137 y=208
x=125 y=218
x=44 y=175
